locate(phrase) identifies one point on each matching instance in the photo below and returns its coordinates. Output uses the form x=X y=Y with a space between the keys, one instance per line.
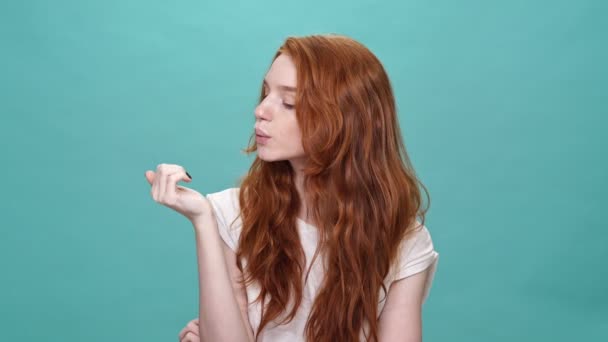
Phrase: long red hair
x=360 y=188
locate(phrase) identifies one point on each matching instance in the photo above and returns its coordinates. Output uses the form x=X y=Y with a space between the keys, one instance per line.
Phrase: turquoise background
x=502 y=106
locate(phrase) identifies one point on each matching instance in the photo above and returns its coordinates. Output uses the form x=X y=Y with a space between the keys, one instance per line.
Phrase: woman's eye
x=288 y=106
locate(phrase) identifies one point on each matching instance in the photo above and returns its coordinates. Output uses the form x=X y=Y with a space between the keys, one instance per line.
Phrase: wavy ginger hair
x=361 y=190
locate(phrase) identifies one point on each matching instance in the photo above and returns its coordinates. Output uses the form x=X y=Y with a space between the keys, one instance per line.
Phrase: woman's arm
x=401 y=316
x=239 y=290
x=220 y=315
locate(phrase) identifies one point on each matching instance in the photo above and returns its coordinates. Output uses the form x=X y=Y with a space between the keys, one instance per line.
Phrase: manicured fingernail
x=187 y=174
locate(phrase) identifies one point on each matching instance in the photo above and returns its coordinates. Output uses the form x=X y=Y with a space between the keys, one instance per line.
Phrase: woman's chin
x=266 y=157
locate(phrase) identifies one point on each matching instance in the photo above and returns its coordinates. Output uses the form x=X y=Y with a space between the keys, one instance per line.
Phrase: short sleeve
x=226 y=209
x=417 y=254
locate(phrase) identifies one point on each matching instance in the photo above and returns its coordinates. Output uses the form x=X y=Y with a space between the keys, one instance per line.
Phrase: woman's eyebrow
x=282 y=87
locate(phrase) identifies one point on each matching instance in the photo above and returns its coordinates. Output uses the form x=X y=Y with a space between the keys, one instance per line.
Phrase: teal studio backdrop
x=502 y=105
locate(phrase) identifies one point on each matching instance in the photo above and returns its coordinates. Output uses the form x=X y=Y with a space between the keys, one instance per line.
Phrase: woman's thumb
x=150 y=176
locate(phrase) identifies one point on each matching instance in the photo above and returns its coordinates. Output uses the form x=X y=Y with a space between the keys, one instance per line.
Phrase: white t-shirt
x=416 y=254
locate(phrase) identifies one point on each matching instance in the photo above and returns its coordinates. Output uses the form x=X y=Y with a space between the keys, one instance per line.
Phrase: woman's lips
x=261 y=139
x=261 y=133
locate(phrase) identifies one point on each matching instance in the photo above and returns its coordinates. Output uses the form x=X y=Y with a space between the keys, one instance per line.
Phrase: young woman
x=321 y=241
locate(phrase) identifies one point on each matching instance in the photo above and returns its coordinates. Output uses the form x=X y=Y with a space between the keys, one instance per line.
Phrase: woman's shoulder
x=418 y=240
x=224 y=194
x=225 y=201
x=416 y=253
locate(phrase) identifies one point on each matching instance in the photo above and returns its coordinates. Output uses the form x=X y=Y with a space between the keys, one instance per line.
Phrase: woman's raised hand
x=165 y=191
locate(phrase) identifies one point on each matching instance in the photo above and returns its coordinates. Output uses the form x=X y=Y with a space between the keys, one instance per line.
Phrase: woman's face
x=276 y=115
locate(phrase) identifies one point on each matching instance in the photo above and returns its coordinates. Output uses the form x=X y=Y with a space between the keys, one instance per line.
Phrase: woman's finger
x=190 y=337
x=172 y=179
x=162 y=173
x=157 y=181
x=169 y=181
x=162 y=170
x=155 y=186
x=149 y=174
x=191 y=326
x=184 y=331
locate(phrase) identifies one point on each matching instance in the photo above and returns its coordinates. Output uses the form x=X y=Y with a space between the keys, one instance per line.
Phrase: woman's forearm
x=219 y=314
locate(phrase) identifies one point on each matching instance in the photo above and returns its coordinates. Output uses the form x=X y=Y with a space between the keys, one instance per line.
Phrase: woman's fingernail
x=187 y=174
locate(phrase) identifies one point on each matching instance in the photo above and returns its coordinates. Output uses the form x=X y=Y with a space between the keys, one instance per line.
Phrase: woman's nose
x=262 y=112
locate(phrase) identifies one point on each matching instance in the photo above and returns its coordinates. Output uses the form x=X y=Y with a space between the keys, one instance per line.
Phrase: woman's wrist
x=203 y=220
x=205 y=214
